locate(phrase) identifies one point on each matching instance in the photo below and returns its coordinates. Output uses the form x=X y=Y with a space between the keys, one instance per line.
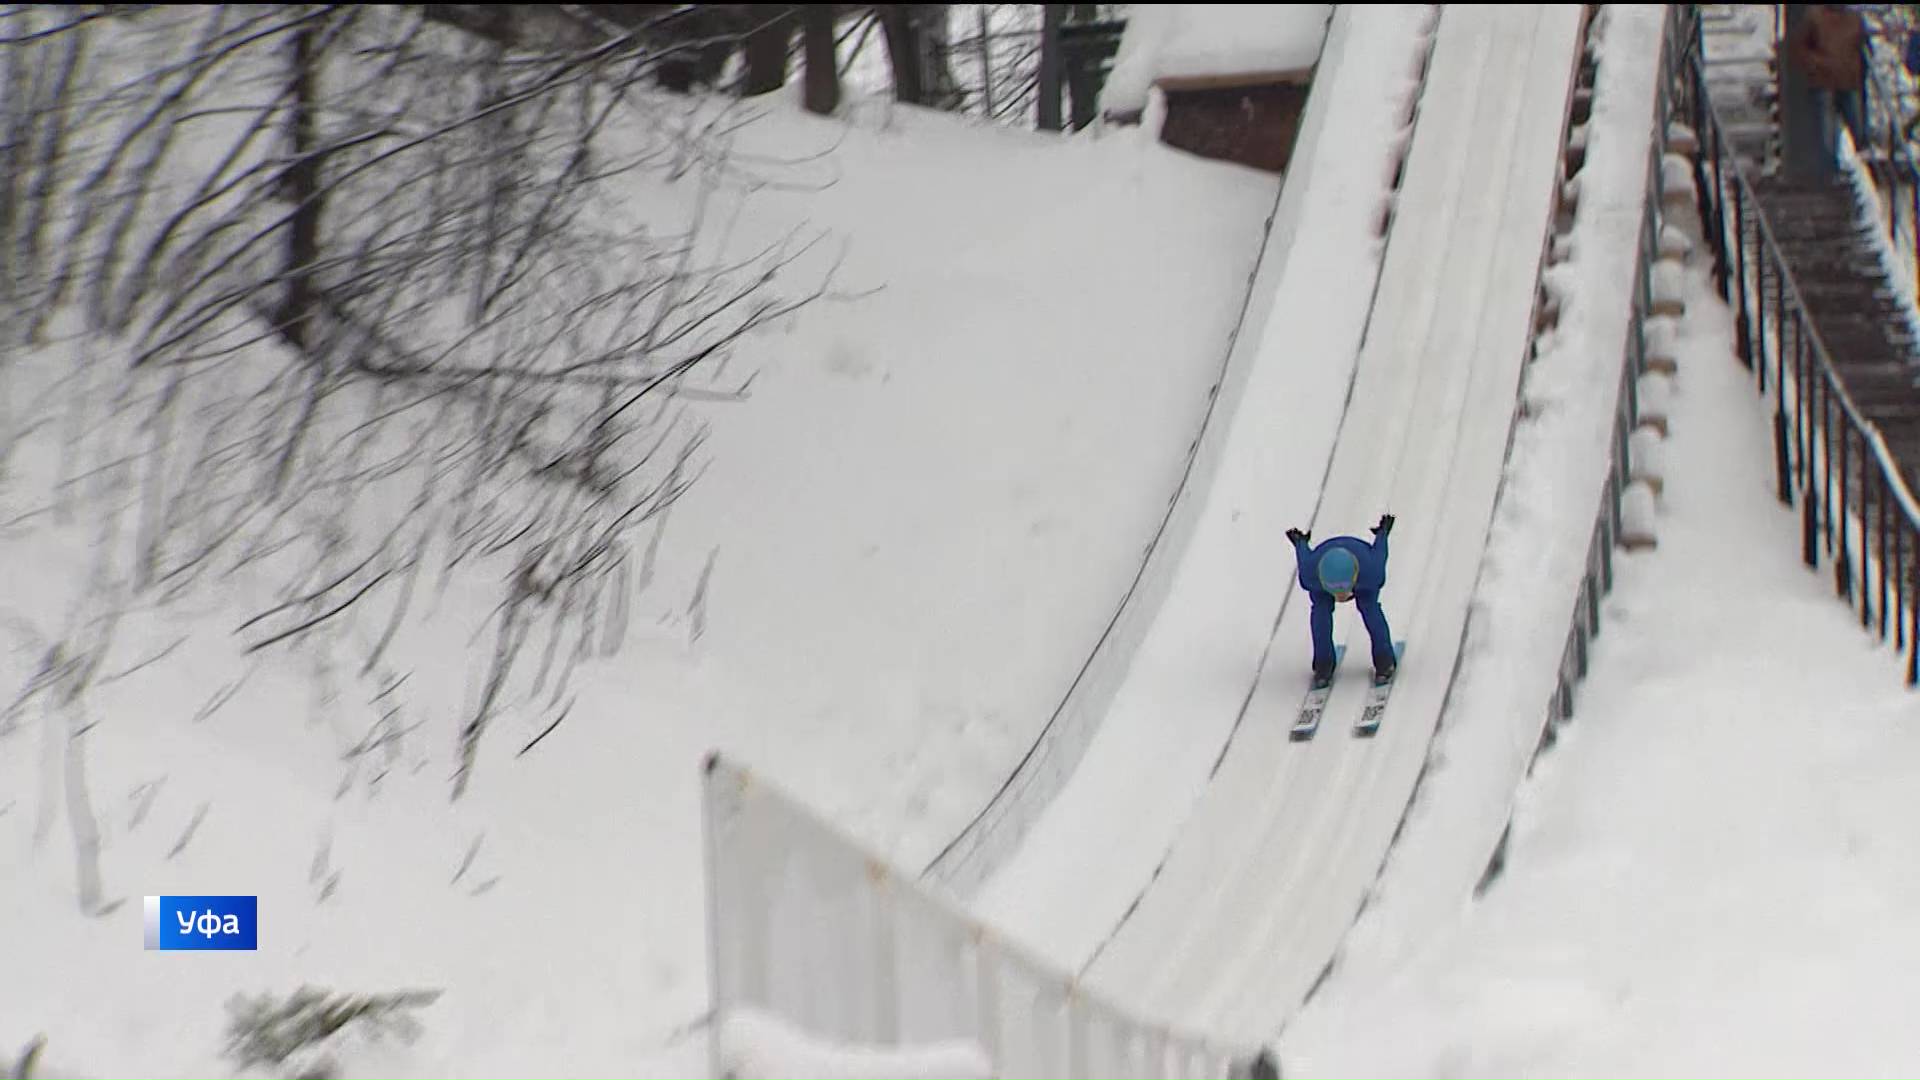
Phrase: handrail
x=1792 y=286
x=1821 y=352
x=1805 y=380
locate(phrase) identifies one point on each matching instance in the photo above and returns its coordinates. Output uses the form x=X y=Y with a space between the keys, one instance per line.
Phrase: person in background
x=1829 y=46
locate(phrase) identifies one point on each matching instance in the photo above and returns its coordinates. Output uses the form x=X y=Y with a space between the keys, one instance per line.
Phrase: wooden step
x=1864 y=352
x=1903 y=417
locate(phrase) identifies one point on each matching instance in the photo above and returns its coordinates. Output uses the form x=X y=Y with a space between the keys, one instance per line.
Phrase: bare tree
x=1051 y=64
x=997 y=65
x=822 y=59
x=386 y=311
x=1003 y=66
x=917 y=46
x=769 y=45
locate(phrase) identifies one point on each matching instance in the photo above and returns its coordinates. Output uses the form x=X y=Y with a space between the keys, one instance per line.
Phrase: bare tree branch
x=373 y=301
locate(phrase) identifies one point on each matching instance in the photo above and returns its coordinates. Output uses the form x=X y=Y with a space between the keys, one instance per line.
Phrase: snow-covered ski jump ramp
x=1188 y=636
x=1167 y=905
x=1215 y=896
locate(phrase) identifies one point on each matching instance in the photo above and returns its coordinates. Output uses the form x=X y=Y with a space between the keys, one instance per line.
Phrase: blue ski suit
x=1366 y=584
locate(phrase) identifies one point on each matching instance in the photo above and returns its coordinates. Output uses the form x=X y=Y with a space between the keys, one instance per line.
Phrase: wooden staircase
x=1831 y=248
x=1827 y=237
x=1740 y=72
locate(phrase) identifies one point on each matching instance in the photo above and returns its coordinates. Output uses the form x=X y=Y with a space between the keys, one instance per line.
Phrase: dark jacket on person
x=1830 y=45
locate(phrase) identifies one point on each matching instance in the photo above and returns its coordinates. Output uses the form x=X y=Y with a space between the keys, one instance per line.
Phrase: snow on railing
x=1613 y=522
x=1624 y=516
x=855 y=966
x=1891 y=183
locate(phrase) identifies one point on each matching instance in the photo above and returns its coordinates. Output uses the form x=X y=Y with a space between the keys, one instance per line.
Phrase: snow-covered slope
x=907 y=536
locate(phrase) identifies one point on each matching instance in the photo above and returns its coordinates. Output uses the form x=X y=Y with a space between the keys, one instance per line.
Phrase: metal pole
x=1809 y=497
x=1880 y=602
x=1841 y=496
x=1739 y=261
x=1900 y=587
x=1825 y=434
x=1913 y=634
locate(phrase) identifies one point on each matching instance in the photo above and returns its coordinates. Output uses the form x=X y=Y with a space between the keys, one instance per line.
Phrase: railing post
x=1900 y=587
x=1739 y=260
x=1766 y=318
x=1913 y=638
x=1802 y=427
x=1804 y=376
x=1588 y=608
x=1610 y=529
x=1810 y=528
x=1580 y=640
x=1828 y=500
x=1839 y=494
x=1783 y=461
x=1866 y=559
x=1801 y=405
x=1613 y=516
x=1884 y=514
x=1782 y=467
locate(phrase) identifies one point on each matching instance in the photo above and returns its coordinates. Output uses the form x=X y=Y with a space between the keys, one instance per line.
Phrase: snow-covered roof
x=1177 y=41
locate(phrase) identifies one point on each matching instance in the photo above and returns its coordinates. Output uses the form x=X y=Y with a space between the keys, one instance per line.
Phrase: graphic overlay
x=203 y=923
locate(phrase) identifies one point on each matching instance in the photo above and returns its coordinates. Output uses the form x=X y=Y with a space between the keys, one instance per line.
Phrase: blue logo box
x=202 y=923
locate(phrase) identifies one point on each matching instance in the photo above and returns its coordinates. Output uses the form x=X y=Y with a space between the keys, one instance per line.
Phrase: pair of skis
x=1315 y=703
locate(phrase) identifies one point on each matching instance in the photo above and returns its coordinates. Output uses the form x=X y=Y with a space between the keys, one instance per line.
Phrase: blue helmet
x=1339 y=571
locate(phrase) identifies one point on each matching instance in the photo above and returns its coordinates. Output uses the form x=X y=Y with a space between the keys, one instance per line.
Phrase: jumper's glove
x=1297 y=536
x=1385 y=526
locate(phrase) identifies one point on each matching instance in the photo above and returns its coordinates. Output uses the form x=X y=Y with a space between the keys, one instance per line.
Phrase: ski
x=1376 y=707
x=1316 y=701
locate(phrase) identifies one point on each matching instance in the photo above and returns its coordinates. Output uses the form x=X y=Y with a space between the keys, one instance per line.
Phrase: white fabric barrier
x=808 y=931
